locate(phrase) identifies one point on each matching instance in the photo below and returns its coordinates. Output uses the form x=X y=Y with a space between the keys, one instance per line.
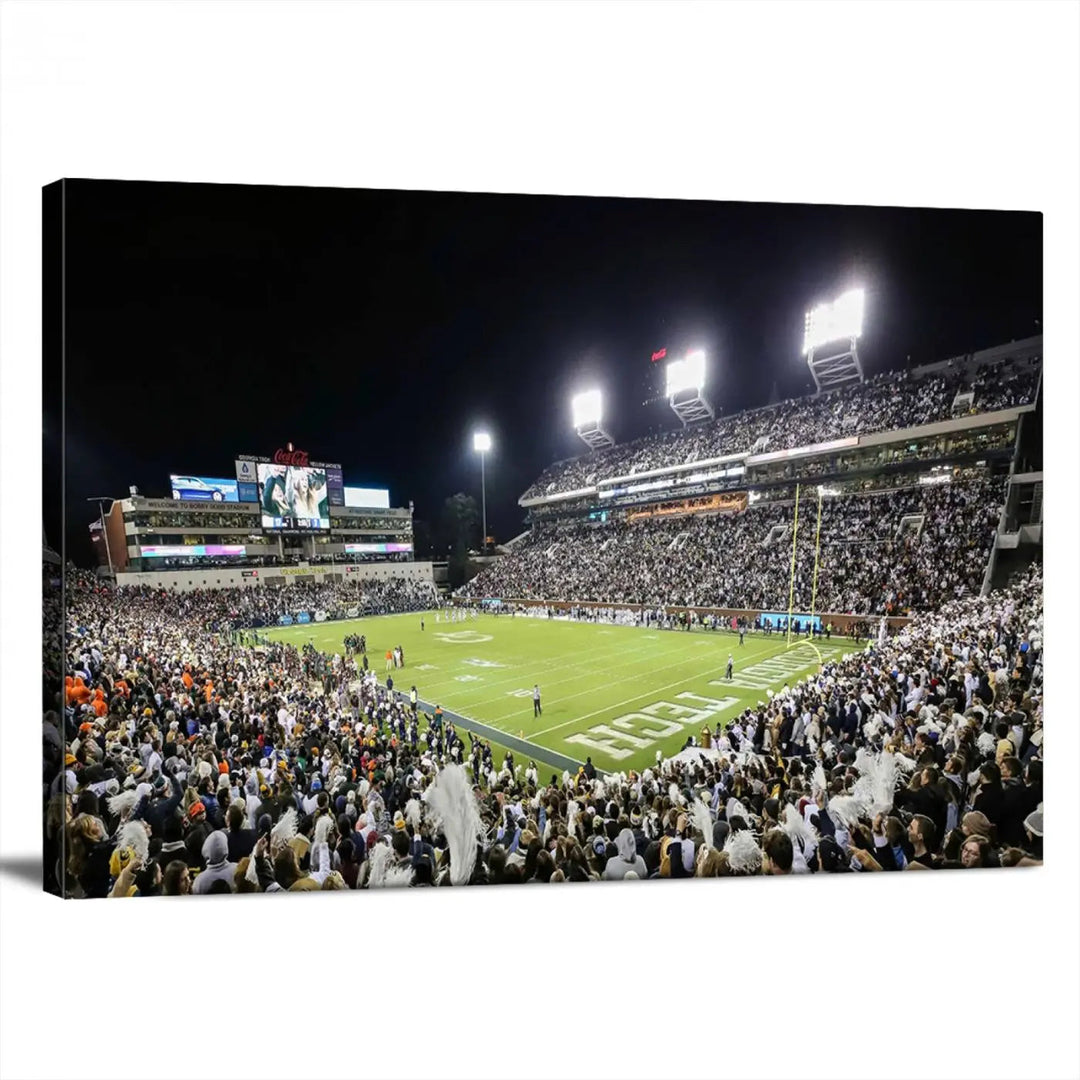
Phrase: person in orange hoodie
x=78 y=692
x=101 y=706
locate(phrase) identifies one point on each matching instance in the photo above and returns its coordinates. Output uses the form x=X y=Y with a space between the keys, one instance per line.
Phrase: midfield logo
x=463 y=637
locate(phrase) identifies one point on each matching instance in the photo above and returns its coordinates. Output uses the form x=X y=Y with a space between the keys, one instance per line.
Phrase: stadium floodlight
x=481 y=442
x=686 y=374
x=841 y=319
x=835 y=324
x=587 y=410
x=685 y=381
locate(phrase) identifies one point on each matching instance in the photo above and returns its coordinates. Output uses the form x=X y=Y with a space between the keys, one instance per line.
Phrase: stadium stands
x=888 y=402
x=726 y=561
x=186 y=765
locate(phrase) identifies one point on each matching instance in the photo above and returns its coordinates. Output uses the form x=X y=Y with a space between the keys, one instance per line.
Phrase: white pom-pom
x=133 y=835
x=322 y=829
x=844 y=810
x=572 y=811
x=413 y=813
x=703 y=822
x=744 y=855
x=124 y=803
x=799 y=830
x=735 y=809
x=284 y=831
x=453 y=801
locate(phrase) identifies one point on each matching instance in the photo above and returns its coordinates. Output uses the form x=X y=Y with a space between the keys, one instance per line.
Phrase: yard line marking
x=636 y=654
x=524 y=666
x=651 y=651
x=651 y=692
x=542 y=666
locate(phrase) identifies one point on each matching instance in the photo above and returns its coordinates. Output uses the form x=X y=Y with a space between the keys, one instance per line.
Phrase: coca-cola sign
x=291 y=457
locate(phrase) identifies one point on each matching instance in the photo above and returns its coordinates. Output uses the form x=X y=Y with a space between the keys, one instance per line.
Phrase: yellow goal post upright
x=791 y=588
x=817 y=554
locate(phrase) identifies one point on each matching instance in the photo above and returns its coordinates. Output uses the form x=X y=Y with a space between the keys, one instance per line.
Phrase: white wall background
x=949 y=104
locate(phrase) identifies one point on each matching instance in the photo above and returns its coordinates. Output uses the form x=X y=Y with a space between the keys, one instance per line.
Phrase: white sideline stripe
x=651 y=692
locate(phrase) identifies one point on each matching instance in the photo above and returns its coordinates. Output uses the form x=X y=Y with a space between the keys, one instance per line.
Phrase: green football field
x=618 y=694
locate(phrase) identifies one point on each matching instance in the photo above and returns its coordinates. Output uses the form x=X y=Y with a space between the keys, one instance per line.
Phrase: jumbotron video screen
x=293 y=498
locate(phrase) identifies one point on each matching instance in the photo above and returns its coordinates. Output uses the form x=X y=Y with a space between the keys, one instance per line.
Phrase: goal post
x=791 y=588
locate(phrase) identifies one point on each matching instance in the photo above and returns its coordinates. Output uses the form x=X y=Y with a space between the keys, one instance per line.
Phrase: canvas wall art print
x=428 y=539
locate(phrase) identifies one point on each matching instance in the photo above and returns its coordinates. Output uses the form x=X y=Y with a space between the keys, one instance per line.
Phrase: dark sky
x=379 y=328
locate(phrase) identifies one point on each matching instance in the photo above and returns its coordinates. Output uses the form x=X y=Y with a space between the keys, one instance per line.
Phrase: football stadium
x=803 y=638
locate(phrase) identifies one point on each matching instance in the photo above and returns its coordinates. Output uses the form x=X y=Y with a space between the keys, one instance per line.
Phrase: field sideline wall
x=841 y=622
x=220 y=577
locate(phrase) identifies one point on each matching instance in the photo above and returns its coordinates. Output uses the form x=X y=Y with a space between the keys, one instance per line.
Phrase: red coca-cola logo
x=290 y=457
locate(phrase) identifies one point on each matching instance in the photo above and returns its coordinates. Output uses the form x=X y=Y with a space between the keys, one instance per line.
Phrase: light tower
x=587 y=409
x=828 y=327
x=685 y=382
x=482 y=444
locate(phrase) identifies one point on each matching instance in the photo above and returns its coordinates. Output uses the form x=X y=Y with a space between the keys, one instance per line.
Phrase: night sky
x=380 y=328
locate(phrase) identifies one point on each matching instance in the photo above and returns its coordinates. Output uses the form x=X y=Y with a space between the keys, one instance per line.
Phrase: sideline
x=520 y=746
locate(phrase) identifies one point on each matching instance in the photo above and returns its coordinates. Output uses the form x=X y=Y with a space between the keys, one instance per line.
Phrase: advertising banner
x=303 y=617
x=367 y=498
x=245 y=472
x=320 y=616
x=158 y=551
x=285 y=620
x=352 y=612
x=203 y=488
x=335 y=485
x=778 y=619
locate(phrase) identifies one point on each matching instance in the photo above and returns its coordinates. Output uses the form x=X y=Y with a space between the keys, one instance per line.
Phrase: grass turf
x=618 y=694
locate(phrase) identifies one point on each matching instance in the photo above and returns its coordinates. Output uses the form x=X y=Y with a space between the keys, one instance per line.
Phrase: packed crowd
x=867 y=565
x=233 y=608
x=177 y=762
x=887 y=402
